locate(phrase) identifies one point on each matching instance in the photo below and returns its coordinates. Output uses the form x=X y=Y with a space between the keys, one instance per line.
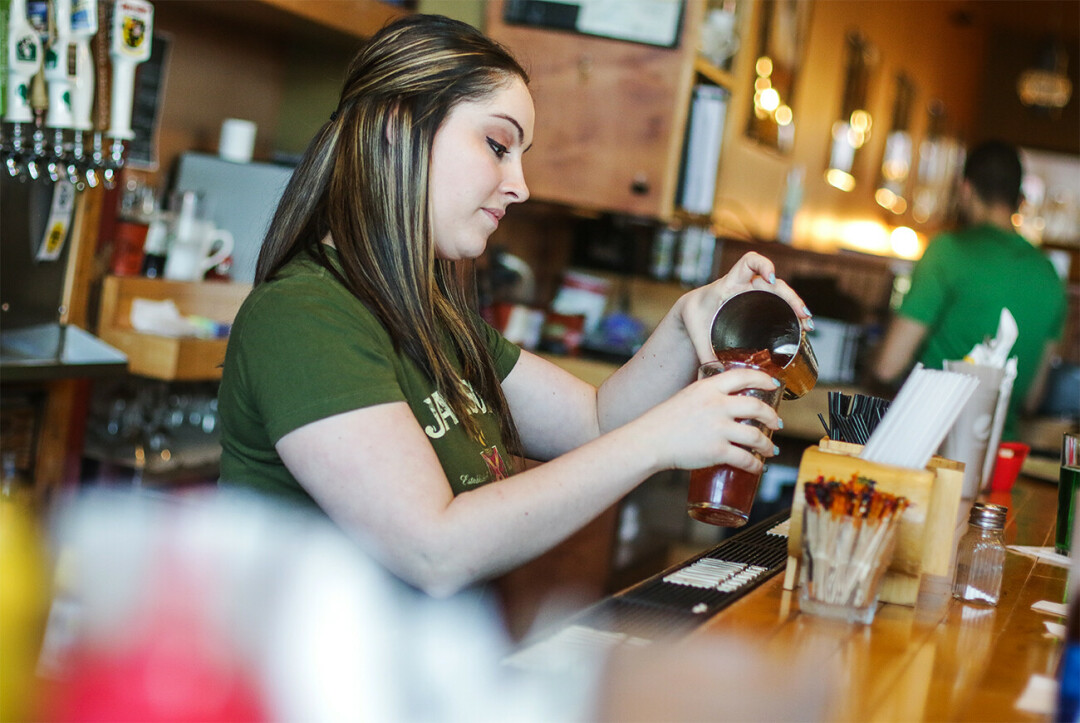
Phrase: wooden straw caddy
x=927 y=534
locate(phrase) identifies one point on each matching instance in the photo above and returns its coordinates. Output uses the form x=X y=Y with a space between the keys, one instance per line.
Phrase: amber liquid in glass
x=723 y=495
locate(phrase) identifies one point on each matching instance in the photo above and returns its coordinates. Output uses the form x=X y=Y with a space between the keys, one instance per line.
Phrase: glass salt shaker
x=980 y=556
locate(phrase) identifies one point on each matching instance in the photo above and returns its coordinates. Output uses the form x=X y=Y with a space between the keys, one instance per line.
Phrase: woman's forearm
x=497 y=527
x=527 y=514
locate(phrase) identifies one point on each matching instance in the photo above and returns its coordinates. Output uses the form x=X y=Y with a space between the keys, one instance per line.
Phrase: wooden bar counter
x=940 y=660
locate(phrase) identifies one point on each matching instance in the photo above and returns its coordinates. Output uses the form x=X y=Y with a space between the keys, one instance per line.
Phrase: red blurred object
x=161 y=680
x=563 y=333
x=1010 y=458
x=499 y=315
x=165 y=664
x=127 y=255
x=222 y=271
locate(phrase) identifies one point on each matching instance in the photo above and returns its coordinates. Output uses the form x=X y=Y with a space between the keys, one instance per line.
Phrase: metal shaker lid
x=988 y=516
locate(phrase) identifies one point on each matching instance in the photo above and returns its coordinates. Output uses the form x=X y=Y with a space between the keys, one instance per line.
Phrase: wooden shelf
x=164 y=357
x=330 y=21
x=361 y=19
x=712 y=73
x=616 y=152
x=681 y=215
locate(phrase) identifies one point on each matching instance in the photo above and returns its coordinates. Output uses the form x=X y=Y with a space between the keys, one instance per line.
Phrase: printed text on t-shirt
x=444 y=415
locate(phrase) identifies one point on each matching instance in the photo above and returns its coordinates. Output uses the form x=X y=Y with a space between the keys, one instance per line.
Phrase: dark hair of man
x=994 y=171
x=364 y=180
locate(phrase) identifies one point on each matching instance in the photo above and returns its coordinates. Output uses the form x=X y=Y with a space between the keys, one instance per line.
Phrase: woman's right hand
x=700 y=425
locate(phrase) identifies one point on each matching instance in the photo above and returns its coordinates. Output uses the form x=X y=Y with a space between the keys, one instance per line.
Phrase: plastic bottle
x=137 y=209
x=662 y=262
x=156 y=248
x=793 y=193
x=9 y=476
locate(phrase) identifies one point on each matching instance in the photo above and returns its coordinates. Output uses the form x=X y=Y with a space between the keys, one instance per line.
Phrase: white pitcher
x=192 y=255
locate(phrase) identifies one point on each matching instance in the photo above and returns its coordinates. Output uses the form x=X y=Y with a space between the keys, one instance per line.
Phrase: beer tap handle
x=24 y=51
x=130 y=40
x=56 y=66
x=99 y=50
x=39 y=103
x=84 y=25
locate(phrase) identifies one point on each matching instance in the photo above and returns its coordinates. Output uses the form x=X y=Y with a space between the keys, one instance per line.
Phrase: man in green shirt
x=966 y=277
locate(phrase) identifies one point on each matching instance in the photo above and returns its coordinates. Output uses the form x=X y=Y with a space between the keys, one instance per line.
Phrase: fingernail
x=775 y=450
x=810 y=324
x=781 y=423
x=776 y=382
x=806 y=311
x=772 y=278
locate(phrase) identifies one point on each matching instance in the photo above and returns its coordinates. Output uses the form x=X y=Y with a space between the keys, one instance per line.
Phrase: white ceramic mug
x=190 y=258
x=237 y=141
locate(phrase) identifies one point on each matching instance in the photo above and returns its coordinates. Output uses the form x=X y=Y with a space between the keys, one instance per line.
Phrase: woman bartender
x=359 y=379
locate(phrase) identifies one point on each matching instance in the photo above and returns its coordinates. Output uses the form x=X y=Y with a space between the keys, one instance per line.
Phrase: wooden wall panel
x=922 y=39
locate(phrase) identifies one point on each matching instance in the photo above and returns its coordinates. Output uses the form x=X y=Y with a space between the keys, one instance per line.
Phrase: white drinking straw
x=919 y=418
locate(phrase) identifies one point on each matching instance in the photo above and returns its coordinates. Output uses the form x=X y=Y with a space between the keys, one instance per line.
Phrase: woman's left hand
x=752 y=271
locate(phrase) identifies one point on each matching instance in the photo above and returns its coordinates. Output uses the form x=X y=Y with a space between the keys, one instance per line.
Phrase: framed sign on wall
x=653 y=22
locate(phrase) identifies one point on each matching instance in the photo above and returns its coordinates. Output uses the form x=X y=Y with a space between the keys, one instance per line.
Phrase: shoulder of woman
x=314 y=303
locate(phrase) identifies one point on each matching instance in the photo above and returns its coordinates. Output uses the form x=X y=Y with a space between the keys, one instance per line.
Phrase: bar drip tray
x=667 y=605
x=56 y=351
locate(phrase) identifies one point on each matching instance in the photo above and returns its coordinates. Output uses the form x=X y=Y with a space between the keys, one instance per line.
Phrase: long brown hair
x=364 y=181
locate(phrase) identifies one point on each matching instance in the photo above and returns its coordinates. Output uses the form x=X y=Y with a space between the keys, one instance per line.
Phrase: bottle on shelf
x=793 y=194
x=14 y=487
x=138 y=208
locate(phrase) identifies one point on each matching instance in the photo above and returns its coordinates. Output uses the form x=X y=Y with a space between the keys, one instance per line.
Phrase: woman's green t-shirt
x=302 y=348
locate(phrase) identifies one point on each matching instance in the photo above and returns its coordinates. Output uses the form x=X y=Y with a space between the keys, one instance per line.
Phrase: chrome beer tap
x=38 y=155
x=97 y=162
x=77 y=163
x=15 y=154
x=56 y=167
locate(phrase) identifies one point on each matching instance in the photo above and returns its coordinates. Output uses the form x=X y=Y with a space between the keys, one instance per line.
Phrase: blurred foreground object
x=223 y=607
x=23 y=606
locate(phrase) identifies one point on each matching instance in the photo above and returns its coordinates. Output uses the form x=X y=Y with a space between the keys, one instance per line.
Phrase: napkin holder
x=924 y=543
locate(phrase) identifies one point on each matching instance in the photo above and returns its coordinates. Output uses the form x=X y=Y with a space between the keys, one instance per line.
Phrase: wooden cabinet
x=158 y=426
x=165 y=357
x=611 y=115
x=347 y=16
